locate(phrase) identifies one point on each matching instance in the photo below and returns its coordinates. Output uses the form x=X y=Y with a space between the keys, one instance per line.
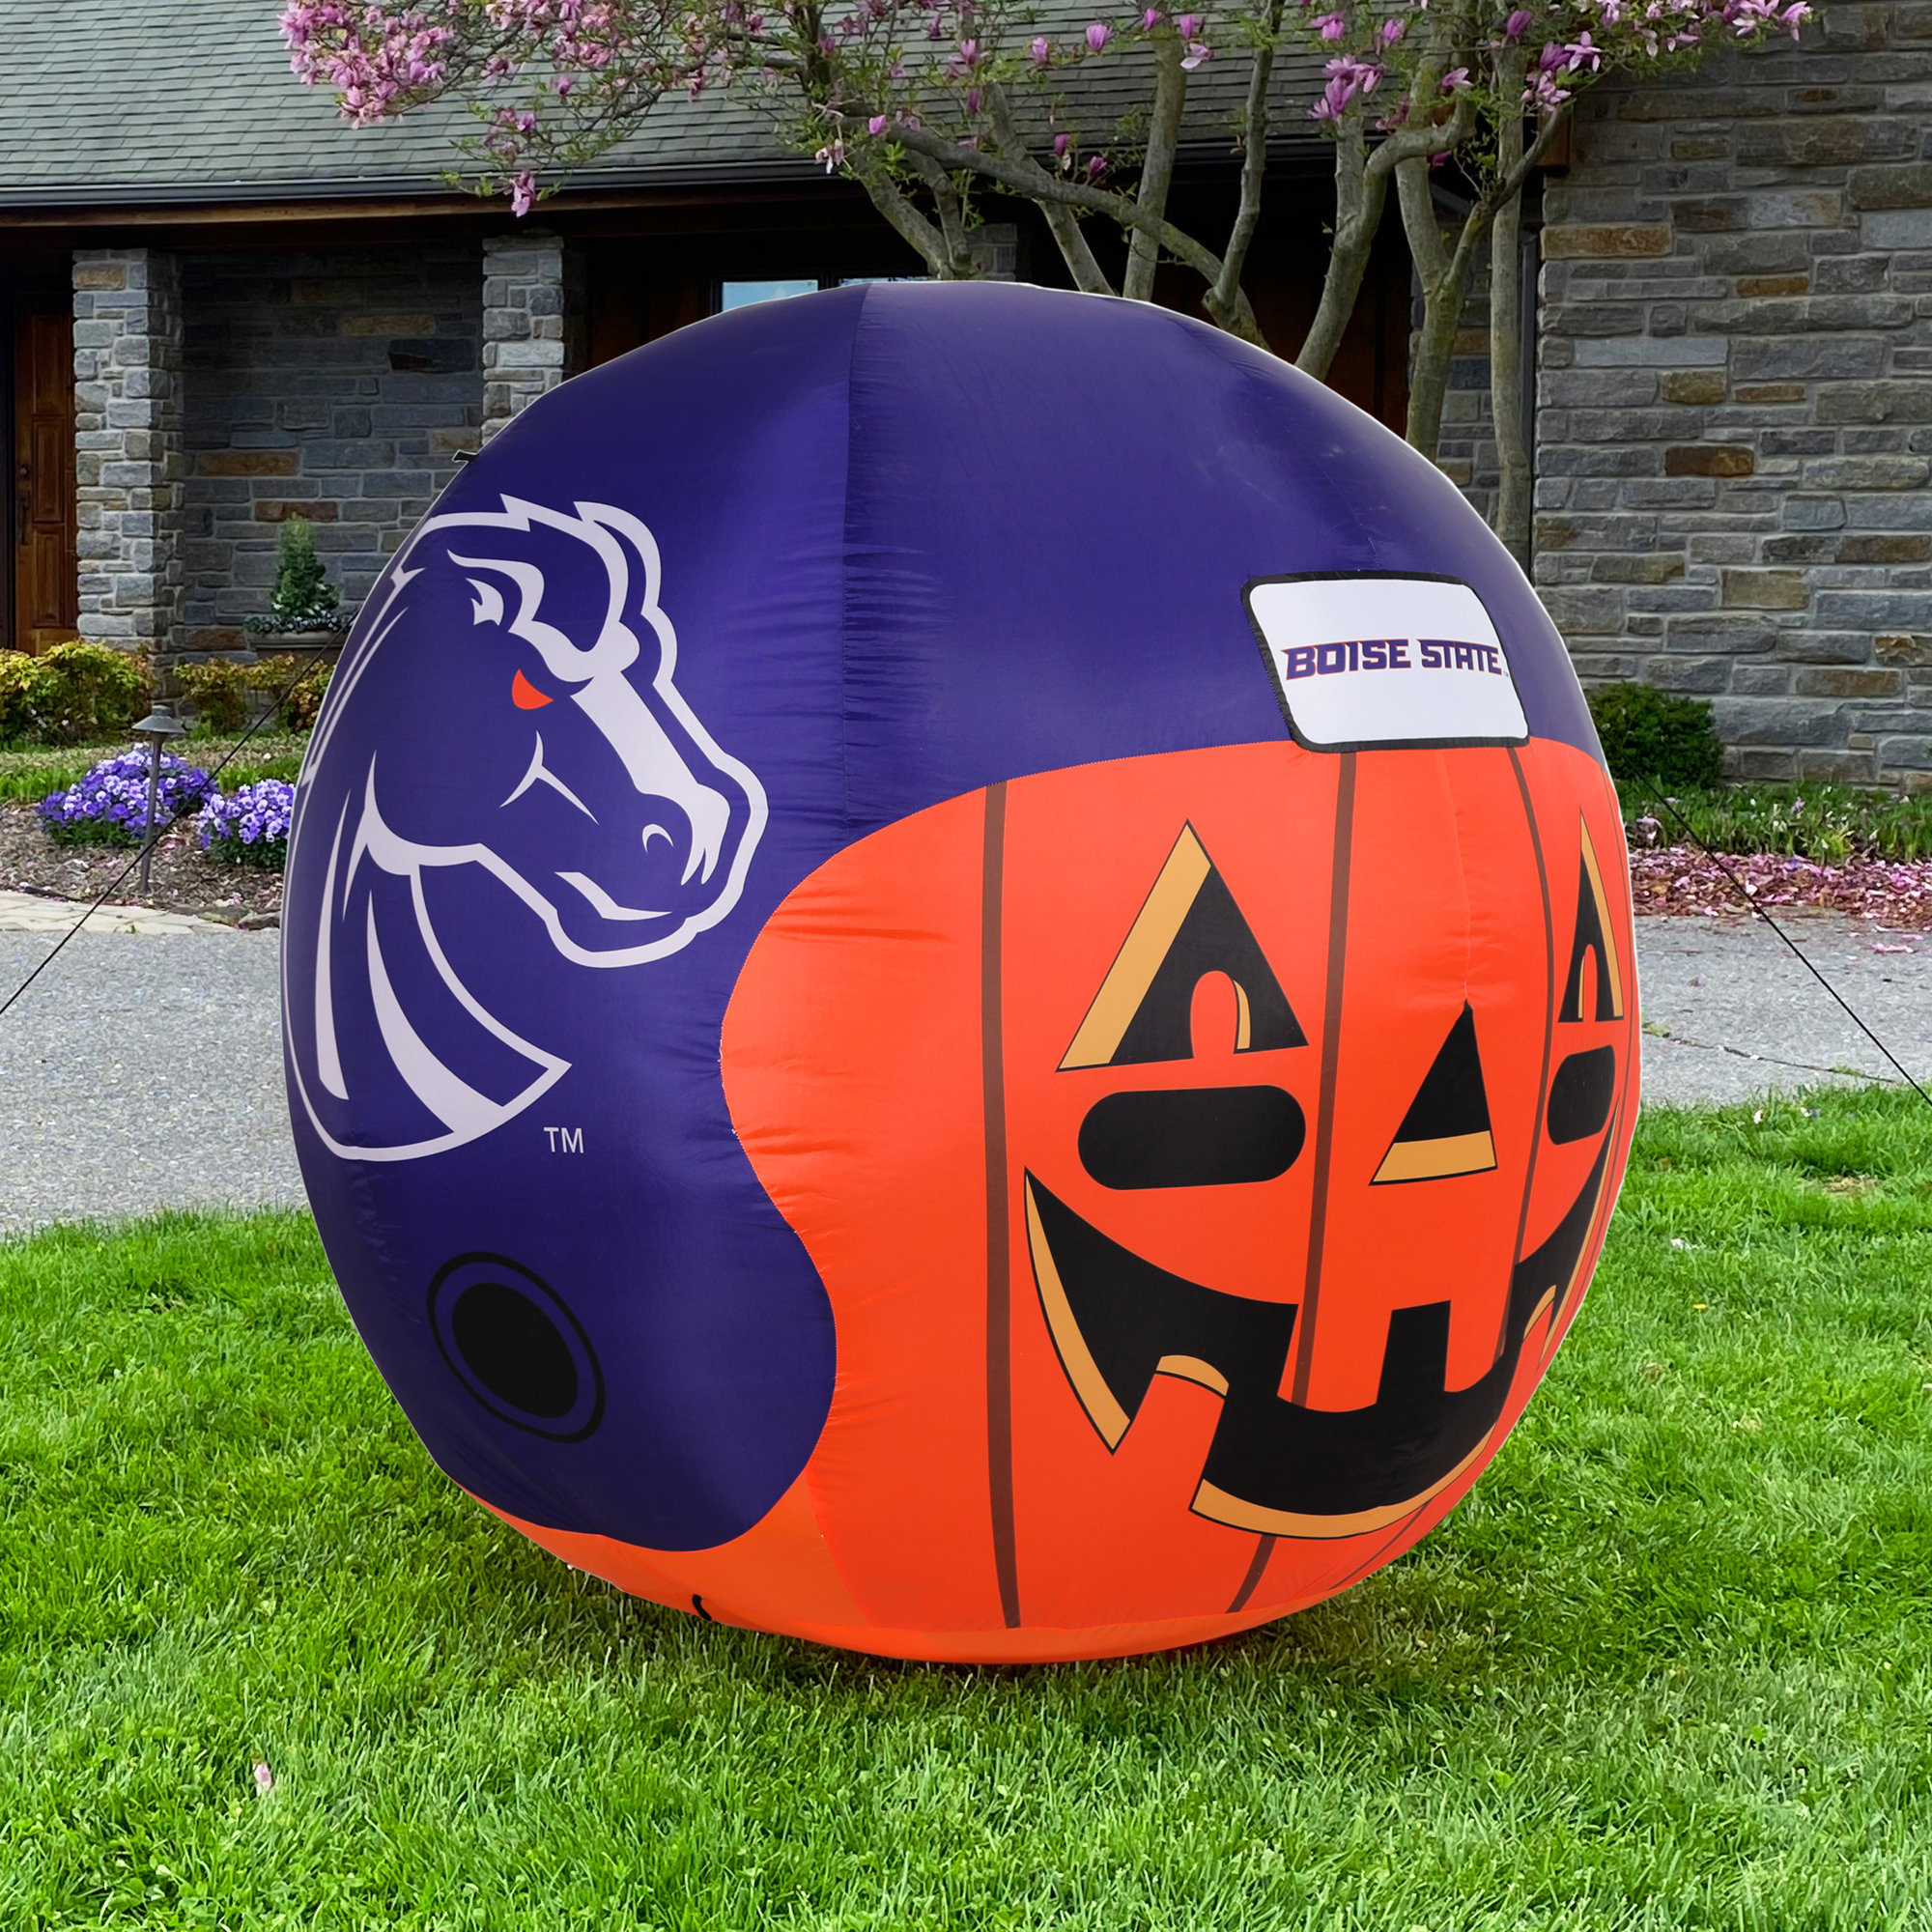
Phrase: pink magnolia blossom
x=522 y=193
x=1348 y=78
x=1456 y=80
x=1151 y=18
x=1514 y=26
x=1391 y=32
x=1097 y=36
x=1199 y=52
x=1041 y=50
x=876 y=124
x=1188 y=26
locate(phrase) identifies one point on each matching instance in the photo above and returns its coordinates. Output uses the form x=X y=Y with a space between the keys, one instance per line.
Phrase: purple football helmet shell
x=692 y=624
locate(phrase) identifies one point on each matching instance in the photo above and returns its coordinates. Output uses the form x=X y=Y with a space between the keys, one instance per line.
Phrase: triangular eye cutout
x=1189 y=927
x=1446 y=1130
x=1595 y=936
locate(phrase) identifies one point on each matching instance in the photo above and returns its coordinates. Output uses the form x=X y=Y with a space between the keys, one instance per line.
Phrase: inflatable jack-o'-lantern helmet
x=958 y=979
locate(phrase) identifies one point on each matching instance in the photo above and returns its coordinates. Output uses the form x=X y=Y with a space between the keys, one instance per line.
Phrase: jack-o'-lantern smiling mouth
x=1275 y=1466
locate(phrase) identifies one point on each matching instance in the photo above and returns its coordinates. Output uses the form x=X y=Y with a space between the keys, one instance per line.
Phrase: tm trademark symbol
x=565 y=1140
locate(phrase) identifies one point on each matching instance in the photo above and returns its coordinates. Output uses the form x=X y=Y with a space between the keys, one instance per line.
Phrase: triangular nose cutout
x=1446 y=1130
x=1188 y=926
x=1595 y=936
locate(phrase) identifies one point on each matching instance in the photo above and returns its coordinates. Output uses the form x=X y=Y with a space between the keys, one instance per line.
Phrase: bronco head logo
x=506 y=720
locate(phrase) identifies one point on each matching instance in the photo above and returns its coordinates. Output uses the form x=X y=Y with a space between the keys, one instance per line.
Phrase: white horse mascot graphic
x=508 y=710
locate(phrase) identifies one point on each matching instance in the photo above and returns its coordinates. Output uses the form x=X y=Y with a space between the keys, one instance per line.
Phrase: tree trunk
x=1442 y=272
x=1359 y=199
x=1221 y=296
x=1507 y=348
x=1061 y=223
x=908 y=223
x=1170 y=95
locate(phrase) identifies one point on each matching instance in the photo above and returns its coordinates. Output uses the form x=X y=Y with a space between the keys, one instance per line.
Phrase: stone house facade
x=1733 y=421
x=1734 y=425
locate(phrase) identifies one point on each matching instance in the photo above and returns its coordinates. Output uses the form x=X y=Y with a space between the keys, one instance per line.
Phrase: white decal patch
x=1361 y=662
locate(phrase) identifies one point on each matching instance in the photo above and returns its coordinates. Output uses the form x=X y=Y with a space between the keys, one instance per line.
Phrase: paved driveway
x=1728 y=1011
x=143 y=1069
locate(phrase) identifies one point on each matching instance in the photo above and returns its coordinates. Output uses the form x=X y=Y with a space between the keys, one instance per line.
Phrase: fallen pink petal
x=1680 y=879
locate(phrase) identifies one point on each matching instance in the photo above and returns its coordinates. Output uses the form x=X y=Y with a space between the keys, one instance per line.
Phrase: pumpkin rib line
x=1549 y=1026
x=999 y=1233
x=1331 y=1054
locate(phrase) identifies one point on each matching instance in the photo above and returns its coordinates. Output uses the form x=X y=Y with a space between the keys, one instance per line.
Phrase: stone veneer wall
x=338 y=387
x=533 y=321
x=1734 y=433
x=128 y=443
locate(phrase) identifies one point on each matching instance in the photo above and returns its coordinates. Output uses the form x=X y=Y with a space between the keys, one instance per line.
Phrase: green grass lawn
x=1672 y=1664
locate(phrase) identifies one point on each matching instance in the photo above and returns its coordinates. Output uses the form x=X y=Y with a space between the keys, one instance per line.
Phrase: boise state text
x=1392 y=654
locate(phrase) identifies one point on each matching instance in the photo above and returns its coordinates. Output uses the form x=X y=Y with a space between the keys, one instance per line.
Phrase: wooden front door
x=45 y=599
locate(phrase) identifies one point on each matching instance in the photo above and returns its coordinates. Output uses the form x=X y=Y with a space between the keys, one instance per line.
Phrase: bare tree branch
x=1253 y=162
x=947 y=204
x=1170 y=97
x=1443 y=270
x=906 y=221
x=1061 y=223
x=1359 y=199
x=1239 y=319
x=1515 y=483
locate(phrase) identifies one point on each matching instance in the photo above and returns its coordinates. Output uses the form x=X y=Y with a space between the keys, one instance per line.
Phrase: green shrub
x=305 y=680
x=219 y=691
x=18 y=676
x=74 y=694
x=303 y=599
x=1653 y=737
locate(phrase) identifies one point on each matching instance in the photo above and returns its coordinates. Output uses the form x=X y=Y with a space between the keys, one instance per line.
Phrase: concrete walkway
x=1728 y=1011
x=143 y=1069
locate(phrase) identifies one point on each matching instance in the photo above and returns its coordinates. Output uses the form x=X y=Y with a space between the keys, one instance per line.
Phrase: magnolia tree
x=928 y=104
x=1498 y=81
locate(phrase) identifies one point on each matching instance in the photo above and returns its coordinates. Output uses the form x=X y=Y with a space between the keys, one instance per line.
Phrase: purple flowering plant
x=251 y=825
x=109 y=806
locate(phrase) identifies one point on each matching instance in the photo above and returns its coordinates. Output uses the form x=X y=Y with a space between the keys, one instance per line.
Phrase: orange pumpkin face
x=1203 y=1155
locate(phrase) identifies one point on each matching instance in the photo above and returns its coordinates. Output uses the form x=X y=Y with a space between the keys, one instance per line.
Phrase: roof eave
x=434 y=194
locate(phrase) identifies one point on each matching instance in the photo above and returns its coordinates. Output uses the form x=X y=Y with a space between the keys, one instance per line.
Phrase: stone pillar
x=130 y=465
x=996 y=251
x=532 y=321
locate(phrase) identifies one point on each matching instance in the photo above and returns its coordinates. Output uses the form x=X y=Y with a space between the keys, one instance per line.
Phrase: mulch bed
x=1680 y=879
x=184 y=878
